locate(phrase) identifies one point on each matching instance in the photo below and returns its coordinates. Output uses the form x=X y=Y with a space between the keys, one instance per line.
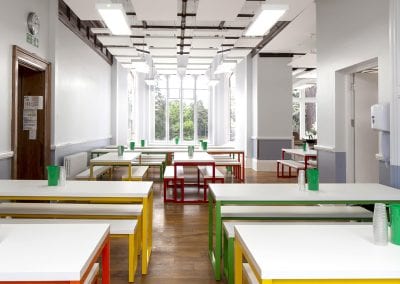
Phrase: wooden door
x=31 y=85
x=30 y=135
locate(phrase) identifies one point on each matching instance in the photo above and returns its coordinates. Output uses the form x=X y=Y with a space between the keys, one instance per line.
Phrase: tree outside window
x=181 y=109
x=304 y=118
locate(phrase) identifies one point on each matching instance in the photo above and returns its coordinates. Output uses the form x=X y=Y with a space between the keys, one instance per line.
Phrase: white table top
x=328 y=192
x=45 y=252
x=112 y=157
x=323 y=252
x=300 y=152
x=201 y=157
x=89 y=189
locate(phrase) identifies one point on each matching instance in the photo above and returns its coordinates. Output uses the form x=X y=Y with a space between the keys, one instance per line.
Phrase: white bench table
x=113 y=160
x=118 y=228
x=285 y=194
x=110 y=192
x=326 y=254
x=53 y=253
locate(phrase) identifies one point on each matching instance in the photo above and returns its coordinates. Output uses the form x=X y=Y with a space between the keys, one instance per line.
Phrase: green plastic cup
x=395 y=223
x=132 y=145
x=190 y=151
x=304 y=146
x=313 y=179
x=121 y=149
x=53 y=175
x=176 y=140
x=142 y=142
x=204 y=145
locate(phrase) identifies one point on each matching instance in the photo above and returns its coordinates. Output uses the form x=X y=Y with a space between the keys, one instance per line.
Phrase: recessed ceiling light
x=265 y=19
x=114 y=17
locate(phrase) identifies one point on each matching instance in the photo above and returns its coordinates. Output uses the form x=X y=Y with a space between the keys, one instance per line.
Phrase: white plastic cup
x=380 y=224
x=301 y=180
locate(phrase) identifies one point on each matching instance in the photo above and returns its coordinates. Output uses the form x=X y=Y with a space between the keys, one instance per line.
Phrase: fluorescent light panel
x=114 y=17
x=265 y=19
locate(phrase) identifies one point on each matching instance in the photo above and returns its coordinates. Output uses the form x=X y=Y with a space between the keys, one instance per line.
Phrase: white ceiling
x=215 y=27
x=155 y=10
x=220 y=10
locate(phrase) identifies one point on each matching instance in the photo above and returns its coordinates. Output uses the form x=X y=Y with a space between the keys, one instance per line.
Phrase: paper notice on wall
x=33 y=102
x=29 y=119
x=32 y=134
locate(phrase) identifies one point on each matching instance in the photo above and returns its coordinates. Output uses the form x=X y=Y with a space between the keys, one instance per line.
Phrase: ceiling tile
x=165 y=59
x=238 y=52
x=115 y=40
x=85 y=10
x=163 y=51
x=127 y=51
x=161 y=41
x=221 y=10
x=204 y=60
x=203 y=52
x=305 y=61
x=126 y=59
x=156 y=10
x=248 y=41
x=206 y=42
x=162 y=32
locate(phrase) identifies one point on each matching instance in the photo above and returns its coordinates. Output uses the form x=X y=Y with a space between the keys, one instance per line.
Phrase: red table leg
x=105 y=263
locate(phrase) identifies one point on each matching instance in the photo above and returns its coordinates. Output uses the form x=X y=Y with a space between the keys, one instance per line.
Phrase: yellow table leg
x=132 y=262
x=238 y=262
x=147 y=231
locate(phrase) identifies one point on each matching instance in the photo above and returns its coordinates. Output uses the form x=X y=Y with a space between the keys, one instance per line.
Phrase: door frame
x=30 y=60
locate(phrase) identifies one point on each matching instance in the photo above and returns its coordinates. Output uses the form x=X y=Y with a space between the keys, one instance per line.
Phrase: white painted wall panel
x=344 y=40
x=82 y=91
x=13 y=31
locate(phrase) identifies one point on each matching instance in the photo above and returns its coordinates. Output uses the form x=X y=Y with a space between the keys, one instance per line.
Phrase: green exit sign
x=31 y=39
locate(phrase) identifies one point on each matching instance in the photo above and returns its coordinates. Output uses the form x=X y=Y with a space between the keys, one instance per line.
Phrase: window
x=181 y=108
x=304 y=119
x=131 y=90
x=232 y=107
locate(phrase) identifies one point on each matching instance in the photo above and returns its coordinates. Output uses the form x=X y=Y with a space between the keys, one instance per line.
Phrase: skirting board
x=263 y=165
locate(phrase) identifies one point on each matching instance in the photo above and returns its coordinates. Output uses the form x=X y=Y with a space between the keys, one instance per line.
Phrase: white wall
x=348 y=32
x=272 y=97
x=13 y=29
x=119 y=105
x=82 y=91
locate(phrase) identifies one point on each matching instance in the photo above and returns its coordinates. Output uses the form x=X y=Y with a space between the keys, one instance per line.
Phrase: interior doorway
x=366 y=140
x=31 y=114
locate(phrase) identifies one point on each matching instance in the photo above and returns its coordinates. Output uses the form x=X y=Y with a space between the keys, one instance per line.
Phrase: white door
x=366 y=141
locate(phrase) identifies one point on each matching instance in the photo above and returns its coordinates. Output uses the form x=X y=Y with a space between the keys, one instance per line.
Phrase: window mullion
x=167 y=112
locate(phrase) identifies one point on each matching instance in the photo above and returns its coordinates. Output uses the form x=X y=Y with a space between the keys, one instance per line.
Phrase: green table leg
x=215 y=255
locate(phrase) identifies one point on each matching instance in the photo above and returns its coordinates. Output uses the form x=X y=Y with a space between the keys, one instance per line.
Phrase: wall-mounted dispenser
x=380 y=120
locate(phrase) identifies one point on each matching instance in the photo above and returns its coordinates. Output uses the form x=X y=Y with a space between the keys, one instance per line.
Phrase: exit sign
x=31 y=39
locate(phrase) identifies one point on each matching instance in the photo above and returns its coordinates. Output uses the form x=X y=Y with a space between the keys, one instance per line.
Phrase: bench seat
x=169 y=182
x=97 y=172
x=280 y=167
x=297 y=212
x=93 y=274
x=70 y=210
x=137 y=173
x=207 y=173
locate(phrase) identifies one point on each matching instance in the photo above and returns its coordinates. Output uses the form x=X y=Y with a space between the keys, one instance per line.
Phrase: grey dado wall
x=5 y=168
x=395 y=176
x=269 y=149
x=332 y=166
x=60 y=152
x=384 y=173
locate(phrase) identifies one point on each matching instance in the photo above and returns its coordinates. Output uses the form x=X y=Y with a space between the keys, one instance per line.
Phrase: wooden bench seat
x=169 y=182
x=152 y=160
x=98 y=171
x=118 y=228
x=137 y=173
x=206 y=172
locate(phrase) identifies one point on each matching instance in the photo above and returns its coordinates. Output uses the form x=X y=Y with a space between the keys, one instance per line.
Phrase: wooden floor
x=180 y=242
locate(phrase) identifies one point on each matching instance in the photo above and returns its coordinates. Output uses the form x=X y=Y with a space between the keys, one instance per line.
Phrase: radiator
x=74 y=164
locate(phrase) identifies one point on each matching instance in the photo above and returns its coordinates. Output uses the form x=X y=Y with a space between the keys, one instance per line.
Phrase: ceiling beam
x=183 y=26
x=273 y=32
x=186 y=27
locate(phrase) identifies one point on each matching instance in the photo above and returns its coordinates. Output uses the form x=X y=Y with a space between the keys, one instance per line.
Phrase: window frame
x=302 y=100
